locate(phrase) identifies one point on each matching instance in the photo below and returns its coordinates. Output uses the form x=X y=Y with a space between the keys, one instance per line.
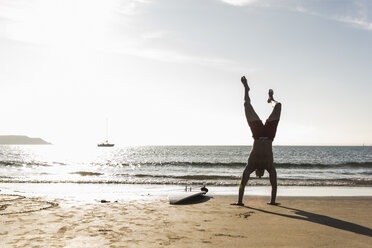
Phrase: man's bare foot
x=271 y=96
x=273 y=203
x=244 y=82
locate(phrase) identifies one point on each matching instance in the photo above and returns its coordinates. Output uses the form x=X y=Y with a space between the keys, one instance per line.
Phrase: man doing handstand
x=261 y=156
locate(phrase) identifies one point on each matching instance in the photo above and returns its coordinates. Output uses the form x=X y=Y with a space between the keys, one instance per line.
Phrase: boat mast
x=106 y=130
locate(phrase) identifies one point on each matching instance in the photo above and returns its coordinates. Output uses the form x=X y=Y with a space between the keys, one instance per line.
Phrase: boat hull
x=105 y=145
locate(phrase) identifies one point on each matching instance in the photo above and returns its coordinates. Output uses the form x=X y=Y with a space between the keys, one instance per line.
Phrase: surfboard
x=185 y=197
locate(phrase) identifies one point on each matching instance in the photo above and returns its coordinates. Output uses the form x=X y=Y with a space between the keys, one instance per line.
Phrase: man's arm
x=273 y=183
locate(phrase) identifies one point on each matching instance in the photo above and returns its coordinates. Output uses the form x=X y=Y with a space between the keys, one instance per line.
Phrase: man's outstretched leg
x=250 y=114
x=275 y=114
x=273 y=120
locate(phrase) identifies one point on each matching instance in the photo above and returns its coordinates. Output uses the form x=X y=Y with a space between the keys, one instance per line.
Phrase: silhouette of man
x=261 y=156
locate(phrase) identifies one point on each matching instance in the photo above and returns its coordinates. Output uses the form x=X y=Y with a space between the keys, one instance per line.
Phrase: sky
x=167 y=72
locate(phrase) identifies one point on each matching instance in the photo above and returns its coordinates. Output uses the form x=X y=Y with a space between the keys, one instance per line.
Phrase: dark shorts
x=260 y=130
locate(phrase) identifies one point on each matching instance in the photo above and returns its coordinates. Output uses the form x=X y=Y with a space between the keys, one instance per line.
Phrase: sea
x=216 y=166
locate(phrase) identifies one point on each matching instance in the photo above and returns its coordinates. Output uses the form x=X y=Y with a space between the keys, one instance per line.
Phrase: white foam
x=83 y=193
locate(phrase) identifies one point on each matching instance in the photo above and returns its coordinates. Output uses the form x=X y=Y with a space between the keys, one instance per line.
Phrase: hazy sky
x=167 y=72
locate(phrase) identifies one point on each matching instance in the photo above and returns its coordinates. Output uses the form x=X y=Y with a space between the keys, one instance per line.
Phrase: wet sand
x=297 y=222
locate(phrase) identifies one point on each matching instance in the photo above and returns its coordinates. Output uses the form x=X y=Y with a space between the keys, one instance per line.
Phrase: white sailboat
x=106 y=143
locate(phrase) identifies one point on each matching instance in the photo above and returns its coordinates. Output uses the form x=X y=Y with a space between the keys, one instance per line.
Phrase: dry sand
x=298 y=222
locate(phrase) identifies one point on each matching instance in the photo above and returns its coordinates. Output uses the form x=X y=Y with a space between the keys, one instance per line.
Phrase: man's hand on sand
x=237 y=204
x=273 y=203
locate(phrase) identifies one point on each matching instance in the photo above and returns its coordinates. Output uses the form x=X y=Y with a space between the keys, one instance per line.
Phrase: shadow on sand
x=195 y=200
x=321 y=219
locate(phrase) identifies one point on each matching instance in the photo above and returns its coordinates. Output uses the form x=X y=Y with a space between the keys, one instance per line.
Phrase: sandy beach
x=153 y=222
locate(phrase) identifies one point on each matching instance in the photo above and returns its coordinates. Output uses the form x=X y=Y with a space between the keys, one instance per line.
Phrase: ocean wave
x=16 y=163
x=172 y=181
x=87 y=173
x=359 y=165
x=362 y=165
x=277 y=165
x=191 y=177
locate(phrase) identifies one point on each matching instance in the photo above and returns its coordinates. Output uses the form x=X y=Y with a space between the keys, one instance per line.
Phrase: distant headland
x=21 y=140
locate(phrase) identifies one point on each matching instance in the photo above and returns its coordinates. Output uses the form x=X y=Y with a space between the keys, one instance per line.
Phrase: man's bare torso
x=261 y=156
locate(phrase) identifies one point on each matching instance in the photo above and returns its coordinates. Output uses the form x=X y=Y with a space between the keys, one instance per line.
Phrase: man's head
x=259 y=172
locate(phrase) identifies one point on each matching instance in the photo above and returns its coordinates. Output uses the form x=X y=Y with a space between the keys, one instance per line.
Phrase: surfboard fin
x=204 y=189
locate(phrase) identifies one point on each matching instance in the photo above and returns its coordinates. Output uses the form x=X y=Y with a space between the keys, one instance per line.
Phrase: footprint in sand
x=3 y=207
x=245 y=215
x=149 y=211
x=229 y=235
x=173 y=237
x=125 y=229
x=62 y=230
x=104 y=231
